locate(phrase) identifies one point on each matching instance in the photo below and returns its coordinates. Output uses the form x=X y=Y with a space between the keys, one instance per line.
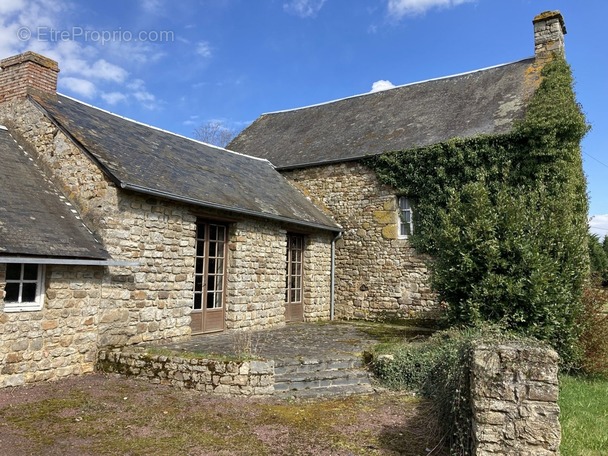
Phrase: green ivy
x=505 y=217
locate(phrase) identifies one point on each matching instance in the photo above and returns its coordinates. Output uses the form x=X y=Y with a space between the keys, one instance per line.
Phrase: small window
x=406 y=222
x=23 y=290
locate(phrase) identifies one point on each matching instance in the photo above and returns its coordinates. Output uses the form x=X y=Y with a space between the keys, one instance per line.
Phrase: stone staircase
x=313 y=377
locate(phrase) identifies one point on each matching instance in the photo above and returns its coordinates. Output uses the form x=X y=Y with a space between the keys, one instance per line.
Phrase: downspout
x=333 y=273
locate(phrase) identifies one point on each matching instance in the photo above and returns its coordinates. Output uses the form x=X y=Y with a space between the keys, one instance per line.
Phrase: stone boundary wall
x=234 y=378
x=514 y=391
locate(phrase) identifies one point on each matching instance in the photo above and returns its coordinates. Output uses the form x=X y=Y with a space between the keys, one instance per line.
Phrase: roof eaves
x=65 y=260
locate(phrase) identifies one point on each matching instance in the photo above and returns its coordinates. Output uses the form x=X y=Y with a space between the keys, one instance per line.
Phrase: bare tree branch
x=214 y=132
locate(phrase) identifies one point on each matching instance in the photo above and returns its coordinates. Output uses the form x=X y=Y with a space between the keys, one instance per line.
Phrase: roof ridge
x=163 y=130
x=397 y=87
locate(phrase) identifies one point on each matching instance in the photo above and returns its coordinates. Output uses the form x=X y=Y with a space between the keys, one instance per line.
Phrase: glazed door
x=294 y=302
x=208 y=312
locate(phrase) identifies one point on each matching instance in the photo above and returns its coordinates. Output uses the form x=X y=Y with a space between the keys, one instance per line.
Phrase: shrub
x=439 y=369
x=505 y=218
x=594 y=338
x=598 y=257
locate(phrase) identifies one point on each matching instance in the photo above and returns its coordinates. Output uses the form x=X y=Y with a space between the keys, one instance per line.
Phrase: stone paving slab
x=304 y=341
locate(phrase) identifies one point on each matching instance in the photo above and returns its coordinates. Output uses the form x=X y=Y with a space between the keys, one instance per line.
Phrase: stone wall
x=61 y=339
x=317 y=276
x=152 y=301
x=377 y=274
x=257 y=275
x=234 y=378
x=514 y=391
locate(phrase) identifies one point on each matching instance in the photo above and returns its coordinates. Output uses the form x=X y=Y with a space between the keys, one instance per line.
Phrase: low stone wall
x=514 y=391
x=244 y=378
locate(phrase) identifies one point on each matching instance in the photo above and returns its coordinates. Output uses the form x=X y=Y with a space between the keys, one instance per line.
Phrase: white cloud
x=598 y=224
x=401 y=8
x=203 y=49
x=151 y=6
x=141 y=95
x=9 y=6
x=99 y=69
x=304 y=8
x=380 y=85
x=88 y=68
x=80 y=86
x=113 y=98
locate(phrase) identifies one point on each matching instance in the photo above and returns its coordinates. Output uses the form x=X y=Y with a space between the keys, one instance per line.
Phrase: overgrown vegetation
x=439 y=368
x=598 y=256
x=594 y=332
x=584 y=415
x=505 y=218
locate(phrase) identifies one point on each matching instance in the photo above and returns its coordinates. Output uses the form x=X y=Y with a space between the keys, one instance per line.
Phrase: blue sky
x=179 y=64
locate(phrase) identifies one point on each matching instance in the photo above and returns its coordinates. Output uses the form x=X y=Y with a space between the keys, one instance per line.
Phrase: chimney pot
x=23 y=72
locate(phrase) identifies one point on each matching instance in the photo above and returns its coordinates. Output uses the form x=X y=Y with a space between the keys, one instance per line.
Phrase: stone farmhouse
x=319 y=149
x=115 y=233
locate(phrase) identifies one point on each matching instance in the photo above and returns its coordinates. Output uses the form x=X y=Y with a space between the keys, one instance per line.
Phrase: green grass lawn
x=584 y=416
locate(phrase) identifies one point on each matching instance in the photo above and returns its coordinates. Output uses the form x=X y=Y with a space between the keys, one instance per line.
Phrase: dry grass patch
x=110 y=415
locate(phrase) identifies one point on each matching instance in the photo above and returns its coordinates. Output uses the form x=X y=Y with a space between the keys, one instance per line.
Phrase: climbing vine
x=505 y=217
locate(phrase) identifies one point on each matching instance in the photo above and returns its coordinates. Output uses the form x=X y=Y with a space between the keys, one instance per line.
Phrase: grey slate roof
x=34 y=217
x=486 y=101
x=149 y=160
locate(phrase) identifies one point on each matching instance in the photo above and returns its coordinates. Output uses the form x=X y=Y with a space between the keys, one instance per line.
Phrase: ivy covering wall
x=505 y=217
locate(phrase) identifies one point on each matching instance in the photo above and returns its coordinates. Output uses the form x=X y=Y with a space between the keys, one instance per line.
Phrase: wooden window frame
x=299 y=266
x=205 y=274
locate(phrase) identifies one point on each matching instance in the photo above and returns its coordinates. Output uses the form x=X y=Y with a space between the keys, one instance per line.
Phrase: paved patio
x=296 y=360
x=304 y=341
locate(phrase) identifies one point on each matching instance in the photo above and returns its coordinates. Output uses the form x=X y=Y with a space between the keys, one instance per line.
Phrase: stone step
x=321 y=377
x=289 y=367
x=338 y=390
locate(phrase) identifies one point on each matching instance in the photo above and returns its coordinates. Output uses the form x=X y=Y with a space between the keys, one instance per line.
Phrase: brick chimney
x=549 y=31
x=22 y=72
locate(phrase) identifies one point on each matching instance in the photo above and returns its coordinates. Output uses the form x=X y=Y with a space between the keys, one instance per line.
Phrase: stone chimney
x=26 y=71
x=549 y=31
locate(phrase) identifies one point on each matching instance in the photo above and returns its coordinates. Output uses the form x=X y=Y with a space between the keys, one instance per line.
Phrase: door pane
x=198 y=298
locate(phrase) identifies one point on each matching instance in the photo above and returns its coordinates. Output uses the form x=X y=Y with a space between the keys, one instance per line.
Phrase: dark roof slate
x=486 y=101
x=35 y=219
x=143 y=158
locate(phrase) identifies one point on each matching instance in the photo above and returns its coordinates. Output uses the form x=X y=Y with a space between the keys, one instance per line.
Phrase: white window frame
x=404 y=212
x=28 y=306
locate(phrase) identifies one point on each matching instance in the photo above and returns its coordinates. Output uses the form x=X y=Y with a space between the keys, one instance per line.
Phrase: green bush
x=439 y=369
x=598 y=256
x=505 y=218
x=506 y=258
x=594 y=338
